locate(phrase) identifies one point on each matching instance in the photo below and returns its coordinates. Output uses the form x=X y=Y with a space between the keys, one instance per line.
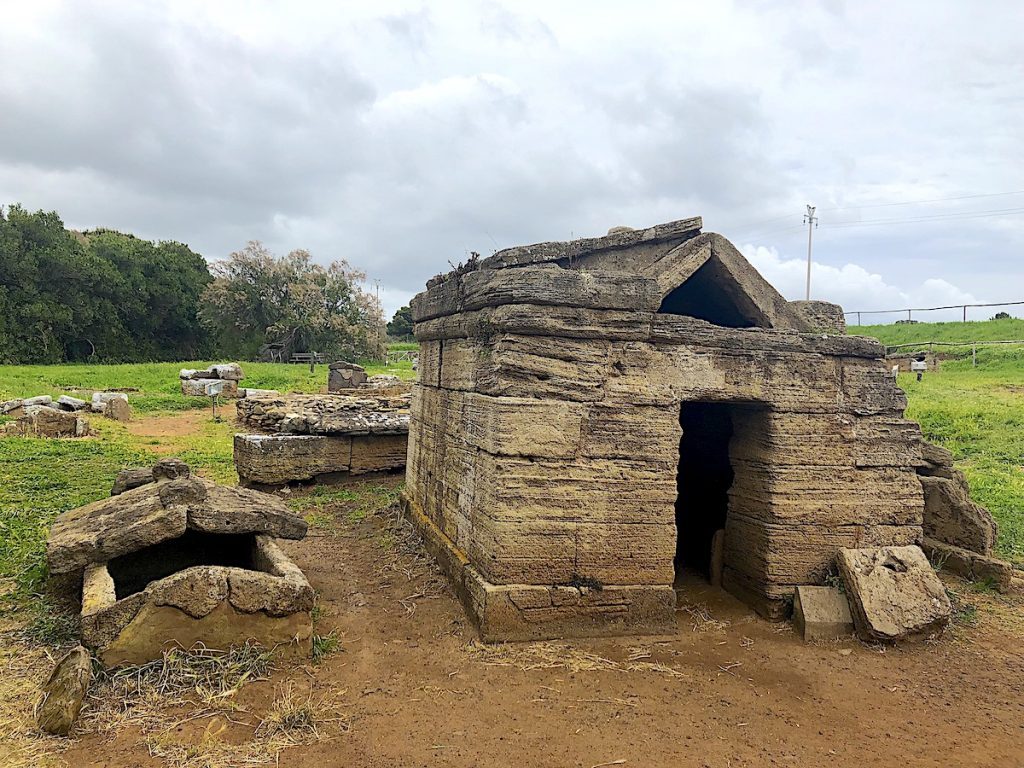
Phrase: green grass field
x=985 y=330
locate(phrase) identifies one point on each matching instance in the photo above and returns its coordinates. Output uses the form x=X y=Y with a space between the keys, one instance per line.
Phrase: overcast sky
x=402 y=135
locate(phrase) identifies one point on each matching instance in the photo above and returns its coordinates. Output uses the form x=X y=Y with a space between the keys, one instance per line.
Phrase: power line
x=938 y=217
x=923 y=202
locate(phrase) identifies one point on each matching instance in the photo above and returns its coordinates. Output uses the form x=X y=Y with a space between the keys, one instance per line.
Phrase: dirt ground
x=411 y=685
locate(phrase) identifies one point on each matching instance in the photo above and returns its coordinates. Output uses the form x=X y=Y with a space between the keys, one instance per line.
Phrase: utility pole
x=811 y=221
x=376 y=333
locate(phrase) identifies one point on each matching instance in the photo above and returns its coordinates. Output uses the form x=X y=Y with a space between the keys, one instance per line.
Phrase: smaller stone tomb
x=180 y=561
x=299 y=438
x=196 y=383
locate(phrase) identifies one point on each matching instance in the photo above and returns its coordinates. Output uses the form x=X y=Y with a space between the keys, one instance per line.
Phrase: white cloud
x=858 y=289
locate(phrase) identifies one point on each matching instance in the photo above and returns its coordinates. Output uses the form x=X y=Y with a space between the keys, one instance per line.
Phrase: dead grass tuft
x=297 y=719
x=161 y=697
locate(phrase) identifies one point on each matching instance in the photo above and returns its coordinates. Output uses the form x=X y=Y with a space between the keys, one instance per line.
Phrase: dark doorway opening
x=704 y=477
x=712 y=294
x=134 y=571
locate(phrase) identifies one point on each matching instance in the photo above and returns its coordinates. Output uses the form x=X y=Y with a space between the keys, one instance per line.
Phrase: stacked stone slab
x=136 y=602
x=298 y=438
x=958 y=534
x=195 y=383
x=545 y=433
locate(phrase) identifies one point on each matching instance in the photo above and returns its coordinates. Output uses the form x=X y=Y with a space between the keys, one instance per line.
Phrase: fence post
x=965 y=313
x=908 y=315
x=858 y=318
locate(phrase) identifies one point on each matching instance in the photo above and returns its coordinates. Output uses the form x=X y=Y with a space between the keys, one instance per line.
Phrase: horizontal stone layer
x=278 y=459
x=776 y=558
x=542 y=285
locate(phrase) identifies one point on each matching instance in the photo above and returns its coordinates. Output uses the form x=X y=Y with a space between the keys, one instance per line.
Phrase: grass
x=321 y=504
x=325 y=645
x=984 y=330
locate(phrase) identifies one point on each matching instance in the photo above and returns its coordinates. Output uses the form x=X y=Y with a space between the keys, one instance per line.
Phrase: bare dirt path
x=416 y=689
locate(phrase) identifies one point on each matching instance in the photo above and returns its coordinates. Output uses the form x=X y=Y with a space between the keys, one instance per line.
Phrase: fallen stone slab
x=821 y=614
x=100 y=400
x=228 y=371
x=8 y=406
x=970 y=565
x=155 y=512
x=39 y=400
x=199 y=387
x=343 y=375
x=131 y=478
x=44 y=421
x=894 y=593
x=950 y=516
x=193 y=373
x=118 y=410
x=68 y=403
x=64 y=692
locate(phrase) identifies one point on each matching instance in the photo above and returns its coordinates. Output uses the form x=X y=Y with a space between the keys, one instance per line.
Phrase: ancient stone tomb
x=592 y=418
x=171 y=559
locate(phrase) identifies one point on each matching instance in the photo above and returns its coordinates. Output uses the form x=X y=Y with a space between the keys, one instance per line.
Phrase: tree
x=400 y=326
x=257 y=298
x=1001 y=316
x=102 y=295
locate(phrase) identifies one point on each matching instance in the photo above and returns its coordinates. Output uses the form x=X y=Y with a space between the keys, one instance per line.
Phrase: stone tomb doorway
x=707 y=471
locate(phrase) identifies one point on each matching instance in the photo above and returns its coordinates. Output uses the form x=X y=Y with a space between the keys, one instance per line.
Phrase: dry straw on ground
x=560 y=655
x=202 y=684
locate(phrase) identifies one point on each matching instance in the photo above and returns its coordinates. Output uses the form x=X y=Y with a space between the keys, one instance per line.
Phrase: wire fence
x=909 y=311
x=894 y=350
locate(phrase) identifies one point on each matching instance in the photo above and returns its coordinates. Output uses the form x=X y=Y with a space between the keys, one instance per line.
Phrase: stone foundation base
x=516 y=612
x=270 y=461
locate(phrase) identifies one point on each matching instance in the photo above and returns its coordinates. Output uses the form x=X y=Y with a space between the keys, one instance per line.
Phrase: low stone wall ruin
x=297 y=438
x=42 y=416
x=196 y=383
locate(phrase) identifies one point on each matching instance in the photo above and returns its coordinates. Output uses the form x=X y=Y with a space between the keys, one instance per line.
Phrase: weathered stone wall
x=547 y=458
x=545 y=437
x=310 y=437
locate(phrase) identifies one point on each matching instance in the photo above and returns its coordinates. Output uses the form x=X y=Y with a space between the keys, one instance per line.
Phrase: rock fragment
x=894 y=593
x=64 y=692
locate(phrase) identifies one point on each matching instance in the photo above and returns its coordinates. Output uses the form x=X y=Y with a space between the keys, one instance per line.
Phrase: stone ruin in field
x=42 y=416
x=298 y=438
x=592 y=417
x=222 y=380
x=174 y=560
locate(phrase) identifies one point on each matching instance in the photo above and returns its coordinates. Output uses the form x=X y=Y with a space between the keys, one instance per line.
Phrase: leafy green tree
x=102 y=296
x=257 y=298
x=400 y=327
